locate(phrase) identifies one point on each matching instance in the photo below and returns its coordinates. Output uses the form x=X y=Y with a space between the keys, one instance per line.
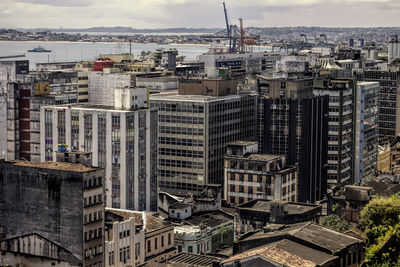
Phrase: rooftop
x=243 y=143
x=189 y=259
x=289 y=207
x=274 y=254
x=61 y=166
x=304 y=252
x=152 y=223
x=173 y=95
x=324 y=237
x=90 y=107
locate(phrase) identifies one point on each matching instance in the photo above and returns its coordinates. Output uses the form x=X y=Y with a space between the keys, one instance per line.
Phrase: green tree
x=381 y=223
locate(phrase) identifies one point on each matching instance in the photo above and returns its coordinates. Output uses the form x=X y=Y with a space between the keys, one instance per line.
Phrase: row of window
x=149 y=248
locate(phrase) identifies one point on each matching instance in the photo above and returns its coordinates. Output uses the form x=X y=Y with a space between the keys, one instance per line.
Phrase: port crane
x=238 y=38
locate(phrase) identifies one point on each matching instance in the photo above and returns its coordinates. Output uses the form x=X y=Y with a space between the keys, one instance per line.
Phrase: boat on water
x=39 y=49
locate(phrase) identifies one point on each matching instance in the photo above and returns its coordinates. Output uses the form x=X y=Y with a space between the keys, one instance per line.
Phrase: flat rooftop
x=289 y=207
x=173 y=95
x=89 y=107
x=61 y=166
x=243 y=143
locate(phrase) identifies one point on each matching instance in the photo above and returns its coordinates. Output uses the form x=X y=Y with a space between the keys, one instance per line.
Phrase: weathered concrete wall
x=46 y=201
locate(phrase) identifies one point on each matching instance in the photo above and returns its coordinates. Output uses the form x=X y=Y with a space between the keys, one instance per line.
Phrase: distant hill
x=130 y=30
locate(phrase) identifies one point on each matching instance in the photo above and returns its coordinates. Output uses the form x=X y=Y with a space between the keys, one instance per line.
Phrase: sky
x=197 y=13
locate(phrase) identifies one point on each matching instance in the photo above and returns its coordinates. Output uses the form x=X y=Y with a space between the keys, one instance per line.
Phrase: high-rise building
x=123 y=138
x=389 y=101
x=294 y=123
x=366 y=129
x=193 y=133
x=340 y=130
x=250 y=175
x=61 y=201
x=393 y=48
x=22 y=97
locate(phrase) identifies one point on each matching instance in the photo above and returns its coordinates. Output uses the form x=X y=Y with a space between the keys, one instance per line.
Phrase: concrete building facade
x=249 y=175
x=340 y=129
x=193 y=133
x=60 y=187
x=123 y=141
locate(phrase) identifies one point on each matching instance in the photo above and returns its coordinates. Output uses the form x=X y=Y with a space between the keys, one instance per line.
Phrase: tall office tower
x=393 y=48
x=340 y=131
x=195 y=129
x=123 y=138
x=294 y=123
x=60 y=201
x=389 y=101
x=366 y=131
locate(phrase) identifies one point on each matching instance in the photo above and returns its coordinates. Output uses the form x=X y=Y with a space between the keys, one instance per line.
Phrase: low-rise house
x=134 y=238
x=257 y=214
x=204 y=232
x=282 y=253
x=347 y=250
x=350 y=204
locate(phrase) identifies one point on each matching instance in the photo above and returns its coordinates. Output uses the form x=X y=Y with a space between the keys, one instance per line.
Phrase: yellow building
x=384 y=158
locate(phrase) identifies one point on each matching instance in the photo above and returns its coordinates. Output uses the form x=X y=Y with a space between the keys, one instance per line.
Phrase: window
x=162 y=241
x=155 y=243
x=148 y=245
x=169 y=239
x=190 y=249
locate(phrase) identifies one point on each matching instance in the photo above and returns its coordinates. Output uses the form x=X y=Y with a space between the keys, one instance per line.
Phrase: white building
x=121 y=138
x=125 y=245
x=102 y=86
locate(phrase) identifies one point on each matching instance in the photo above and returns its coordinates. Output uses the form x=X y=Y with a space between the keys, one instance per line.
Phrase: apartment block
x=366 y=114
x=389 y=101
x=340 y=129
x=122 y=138
x=193 y=133
x=250 y=175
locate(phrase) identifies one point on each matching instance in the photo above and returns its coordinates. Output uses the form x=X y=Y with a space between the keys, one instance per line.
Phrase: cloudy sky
x=196 y=13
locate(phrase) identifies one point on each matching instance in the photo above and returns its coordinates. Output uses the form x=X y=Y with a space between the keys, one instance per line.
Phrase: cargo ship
x=39 y=49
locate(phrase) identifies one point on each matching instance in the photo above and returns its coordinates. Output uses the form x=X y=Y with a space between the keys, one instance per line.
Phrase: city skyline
x=189 y=13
